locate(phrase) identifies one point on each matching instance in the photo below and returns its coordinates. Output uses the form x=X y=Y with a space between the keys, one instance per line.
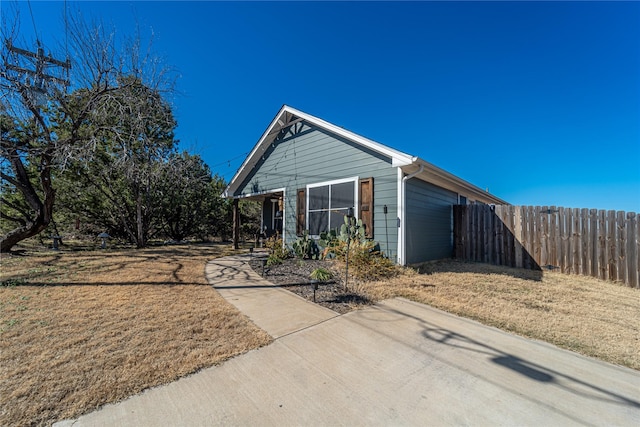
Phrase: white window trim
x=355 y=181
x=273 y=214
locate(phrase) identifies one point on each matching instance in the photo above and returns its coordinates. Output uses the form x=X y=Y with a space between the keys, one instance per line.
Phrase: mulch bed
x=294 y=275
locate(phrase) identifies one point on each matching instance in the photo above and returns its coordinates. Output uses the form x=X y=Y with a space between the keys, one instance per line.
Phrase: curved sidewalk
x=275 y=310
x=394 y=363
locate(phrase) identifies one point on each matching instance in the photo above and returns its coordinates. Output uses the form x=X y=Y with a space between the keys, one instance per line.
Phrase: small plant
x=277 y=251
x=273 y=260
x=321 y=274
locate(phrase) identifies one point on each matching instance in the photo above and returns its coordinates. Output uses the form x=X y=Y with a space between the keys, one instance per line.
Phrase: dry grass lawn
x=81 y=329
x=593 y=317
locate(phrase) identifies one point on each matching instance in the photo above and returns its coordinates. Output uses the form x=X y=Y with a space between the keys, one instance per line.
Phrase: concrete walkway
x=395 y=363
x=275 y=310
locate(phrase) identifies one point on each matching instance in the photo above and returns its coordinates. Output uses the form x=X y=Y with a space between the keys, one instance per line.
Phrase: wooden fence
x=602 y=244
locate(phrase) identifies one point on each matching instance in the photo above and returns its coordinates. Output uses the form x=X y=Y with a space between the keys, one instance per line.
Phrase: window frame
x=355 y=180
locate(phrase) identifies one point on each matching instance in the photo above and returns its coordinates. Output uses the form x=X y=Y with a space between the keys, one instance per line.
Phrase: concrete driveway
x=395 y=363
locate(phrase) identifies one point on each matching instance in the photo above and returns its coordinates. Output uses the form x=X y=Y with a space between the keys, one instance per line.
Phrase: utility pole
x=34 y=80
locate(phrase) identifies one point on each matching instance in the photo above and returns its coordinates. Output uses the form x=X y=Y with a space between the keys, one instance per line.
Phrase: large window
x=328 y=203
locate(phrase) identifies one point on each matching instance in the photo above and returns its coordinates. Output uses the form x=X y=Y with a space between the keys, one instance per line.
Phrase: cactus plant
x=305 y=247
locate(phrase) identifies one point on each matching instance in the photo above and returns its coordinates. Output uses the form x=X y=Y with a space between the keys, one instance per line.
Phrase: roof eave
x=442 y=178
x=398 y=158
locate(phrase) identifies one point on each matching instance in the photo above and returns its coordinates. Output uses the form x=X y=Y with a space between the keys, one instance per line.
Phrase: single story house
x=307 y=173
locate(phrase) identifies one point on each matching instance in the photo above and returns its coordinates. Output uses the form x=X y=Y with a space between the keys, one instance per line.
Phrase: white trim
x=398 y=158
x=288 y=115
x=355 y=181
x=332 y=182
x=273 y=213
x=400 y=218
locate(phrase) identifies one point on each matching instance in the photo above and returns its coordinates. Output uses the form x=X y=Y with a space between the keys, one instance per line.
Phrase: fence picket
x=517 y=232
x=565 y=236
x=612 y=266
x=632 y=250
x=553 y=238
x=603 y=259
x=576 y=242
x=595 y=234
x=622 y=247
x=586 y=243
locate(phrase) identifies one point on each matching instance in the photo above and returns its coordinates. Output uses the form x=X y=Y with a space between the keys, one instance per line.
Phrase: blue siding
x=429 y=220
x=312 y=156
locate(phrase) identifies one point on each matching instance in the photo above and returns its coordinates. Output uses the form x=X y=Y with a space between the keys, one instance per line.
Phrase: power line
x=66 y=31
x=228 y=162
x=33 y=21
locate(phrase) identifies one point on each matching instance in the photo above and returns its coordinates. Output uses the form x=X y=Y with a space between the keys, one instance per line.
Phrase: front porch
x=271 y=216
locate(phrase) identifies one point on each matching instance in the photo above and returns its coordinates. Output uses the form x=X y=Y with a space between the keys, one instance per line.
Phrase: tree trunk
x=140 y=238
x=43 y=209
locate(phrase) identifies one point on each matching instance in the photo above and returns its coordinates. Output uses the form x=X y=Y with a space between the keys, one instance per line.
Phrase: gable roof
x=288 y=116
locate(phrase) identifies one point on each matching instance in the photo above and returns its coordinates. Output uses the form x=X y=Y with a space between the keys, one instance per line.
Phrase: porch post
x=236 y=225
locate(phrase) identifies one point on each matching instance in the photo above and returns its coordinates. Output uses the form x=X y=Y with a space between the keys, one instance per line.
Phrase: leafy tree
x=219 y=217
x=250 y=218
x=190 y=197
x=119 y=188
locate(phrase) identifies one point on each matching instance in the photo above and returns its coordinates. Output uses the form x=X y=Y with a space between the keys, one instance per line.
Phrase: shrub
x=366 y=262
x=321 y=274
x=277 y=251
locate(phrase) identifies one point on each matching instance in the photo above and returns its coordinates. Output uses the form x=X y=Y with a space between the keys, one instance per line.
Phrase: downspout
x=403 y=229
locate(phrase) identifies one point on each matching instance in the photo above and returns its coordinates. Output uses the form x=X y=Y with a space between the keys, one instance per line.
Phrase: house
x=307 y=173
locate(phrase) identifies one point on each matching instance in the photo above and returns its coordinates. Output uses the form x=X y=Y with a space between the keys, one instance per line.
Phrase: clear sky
x=537 y=101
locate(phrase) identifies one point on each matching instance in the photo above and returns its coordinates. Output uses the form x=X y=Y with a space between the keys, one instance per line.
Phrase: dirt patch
x=82 y=329
x=294 y=275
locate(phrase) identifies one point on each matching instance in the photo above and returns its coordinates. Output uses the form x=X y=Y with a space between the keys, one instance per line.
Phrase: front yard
x=81 y=329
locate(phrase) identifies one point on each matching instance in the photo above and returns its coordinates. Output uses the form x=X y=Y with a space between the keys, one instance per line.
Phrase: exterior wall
x=313 y=156
x=429 y=221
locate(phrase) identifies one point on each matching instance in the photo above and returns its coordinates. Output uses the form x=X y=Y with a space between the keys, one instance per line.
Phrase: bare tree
x=45 y=127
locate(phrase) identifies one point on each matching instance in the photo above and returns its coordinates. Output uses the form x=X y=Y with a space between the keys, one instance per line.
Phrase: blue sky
x=537 y=101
